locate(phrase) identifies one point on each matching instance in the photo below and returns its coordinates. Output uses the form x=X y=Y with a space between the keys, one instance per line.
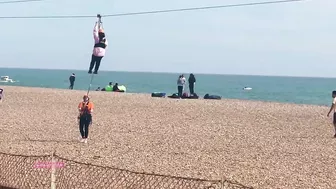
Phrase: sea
x=297 y=90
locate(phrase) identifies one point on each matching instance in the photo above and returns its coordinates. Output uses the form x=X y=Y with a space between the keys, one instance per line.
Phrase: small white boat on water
x=6 y=79
x=247 y=88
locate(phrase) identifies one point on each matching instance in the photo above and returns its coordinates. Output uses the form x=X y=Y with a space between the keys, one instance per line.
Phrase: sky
x=289 y=39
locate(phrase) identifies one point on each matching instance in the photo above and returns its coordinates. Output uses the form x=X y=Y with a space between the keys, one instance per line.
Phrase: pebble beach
x=257 y=144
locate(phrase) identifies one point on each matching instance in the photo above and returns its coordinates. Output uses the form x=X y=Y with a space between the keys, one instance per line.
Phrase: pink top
x=98 y=51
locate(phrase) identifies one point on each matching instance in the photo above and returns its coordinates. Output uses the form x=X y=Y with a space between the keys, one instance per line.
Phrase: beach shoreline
x=258 y=144
x=149 y=94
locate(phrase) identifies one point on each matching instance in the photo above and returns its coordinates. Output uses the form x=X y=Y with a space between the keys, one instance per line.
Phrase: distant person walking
x=72 y=79
x=180 y=85
x=1 y=94
x=85 y=117
x=332 y=109
x=192 y=81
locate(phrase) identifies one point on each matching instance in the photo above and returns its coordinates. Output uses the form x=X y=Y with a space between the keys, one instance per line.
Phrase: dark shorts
x=334 y=120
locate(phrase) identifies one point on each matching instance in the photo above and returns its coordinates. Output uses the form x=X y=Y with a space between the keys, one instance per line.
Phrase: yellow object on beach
x=122 y=88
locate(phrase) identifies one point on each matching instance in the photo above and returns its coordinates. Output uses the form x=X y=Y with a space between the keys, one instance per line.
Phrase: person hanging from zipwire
x=85 y=117
x=99 y=47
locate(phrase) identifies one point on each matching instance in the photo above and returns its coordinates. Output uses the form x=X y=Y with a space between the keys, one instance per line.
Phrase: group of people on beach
x=110 y=87
x=181 y=81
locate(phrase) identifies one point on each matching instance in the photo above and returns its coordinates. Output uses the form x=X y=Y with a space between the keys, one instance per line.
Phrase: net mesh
x=18 y=171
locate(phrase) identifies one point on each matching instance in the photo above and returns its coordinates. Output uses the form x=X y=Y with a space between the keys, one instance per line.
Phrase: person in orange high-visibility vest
x=85 y=109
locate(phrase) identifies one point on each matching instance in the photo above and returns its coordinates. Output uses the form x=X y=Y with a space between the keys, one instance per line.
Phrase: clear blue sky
x=295 y=39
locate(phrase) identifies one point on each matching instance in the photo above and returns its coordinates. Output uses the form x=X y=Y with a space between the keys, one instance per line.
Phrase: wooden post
x=53 y=172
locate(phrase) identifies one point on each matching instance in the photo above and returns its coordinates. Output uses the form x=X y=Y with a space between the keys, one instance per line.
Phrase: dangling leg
x=180 y=91
x=86 y=127
x=71 y=85
x=334 y=122
x=92 y=63
x=191 y=89
x=98 y=60
x=86 y=130
x=81 y=128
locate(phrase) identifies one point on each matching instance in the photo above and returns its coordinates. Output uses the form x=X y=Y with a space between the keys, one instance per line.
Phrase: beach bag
x=158 y=94
x=175 y=95
x=215 y=97
x=194 y=96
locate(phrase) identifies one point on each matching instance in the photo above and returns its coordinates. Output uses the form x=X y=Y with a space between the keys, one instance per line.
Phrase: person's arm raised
x=95 y=32
x=106 y=43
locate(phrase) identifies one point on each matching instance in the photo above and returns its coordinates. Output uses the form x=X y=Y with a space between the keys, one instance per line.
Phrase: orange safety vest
x=85 y=108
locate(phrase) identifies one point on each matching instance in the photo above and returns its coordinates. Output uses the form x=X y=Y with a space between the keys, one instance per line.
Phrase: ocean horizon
x=284 y=89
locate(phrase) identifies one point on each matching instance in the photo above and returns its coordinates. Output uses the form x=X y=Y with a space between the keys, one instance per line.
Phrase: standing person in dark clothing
x=115 y=88
x=333 y=109
x=85 y=117
x=72 y=79
x=192 y=81
x=1 y=94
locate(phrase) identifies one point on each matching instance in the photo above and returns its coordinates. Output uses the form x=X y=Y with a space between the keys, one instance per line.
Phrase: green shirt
x=108 y=88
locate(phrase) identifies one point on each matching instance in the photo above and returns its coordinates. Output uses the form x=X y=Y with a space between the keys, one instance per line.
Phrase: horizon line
x=199 y=73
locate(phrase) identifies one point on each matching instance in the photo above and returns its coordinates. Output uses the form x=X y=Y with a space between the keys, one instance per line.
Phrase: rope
x=151 y=12
x=202 y=8
x=90 y=85
x=19 y=1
